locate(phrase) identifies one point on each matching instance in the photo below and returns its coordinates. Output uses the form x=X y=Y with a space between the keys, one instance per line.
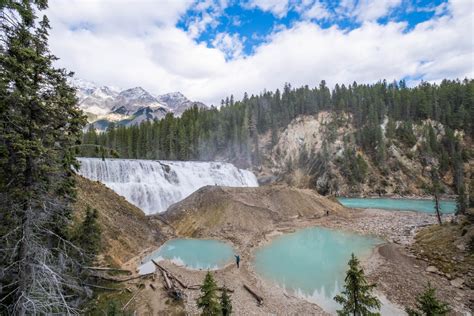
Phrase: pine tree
x=226 y=303
x=208 y=300
x=356 y=298
x=39 y=125
x=88 y=235
x=428 y=305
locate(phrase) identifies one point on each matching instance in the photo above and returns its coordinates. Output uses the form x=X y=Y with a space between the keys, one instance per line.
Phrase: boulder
x=458 y=282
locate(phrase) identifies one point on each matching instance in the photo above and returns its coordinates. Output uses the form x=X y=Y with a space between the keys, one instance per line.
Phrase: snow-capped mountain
x=178 y=102
x=105 y=104
x=130 y=101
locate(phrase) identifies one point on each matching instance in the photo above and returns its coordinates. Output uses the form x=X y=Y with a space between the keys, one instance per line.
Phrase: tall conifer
x=39 y=124
x=357 y=298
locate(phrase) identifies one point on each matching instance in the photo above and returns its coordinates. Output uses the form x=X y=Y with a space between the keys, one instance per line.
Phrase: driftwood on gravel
x=172 y=276
x=131 y=299
x=169 y=286
x=172 y=290
x=254 y=294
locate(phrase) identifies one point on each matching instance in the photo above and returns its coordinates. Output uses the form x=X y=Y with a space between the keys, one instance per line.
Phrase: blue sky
x=209 y=49
x=254 y=23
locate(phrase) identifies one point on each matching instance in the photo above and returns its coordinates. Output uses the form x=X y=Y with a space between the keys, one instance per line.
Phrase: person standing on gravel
x=237 y=260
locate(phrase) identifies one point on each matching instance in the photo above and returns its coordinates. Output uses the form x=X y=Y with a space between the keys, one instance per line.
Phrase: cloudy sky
x=213 y=48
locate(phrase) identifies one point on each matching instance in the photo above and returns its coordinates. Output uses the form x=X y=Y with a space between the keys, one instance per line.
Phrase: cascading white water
x=154 y=185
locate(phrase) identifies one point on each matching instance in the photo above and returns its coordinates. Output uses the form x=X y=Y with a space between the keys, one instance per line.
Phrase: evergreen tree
x=356 y=298
x=236 y=130
x=39 y=125
x=226 y=303
x=428 y=305
x=432 y=141
x=208 y=300
x=88 y=235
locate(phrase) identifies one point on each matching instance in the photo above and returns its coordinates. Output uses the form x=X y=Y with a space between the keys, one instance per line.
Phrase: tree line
x=234 y=131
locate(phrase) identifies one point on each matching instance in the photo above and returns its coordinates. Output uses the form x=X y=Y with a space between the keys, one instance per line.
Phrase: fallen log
x=131 y=299
x=108 y=269
x=103 y=287
x=107 y=278
x=167 y=280
x=142 y=276
x=152 y=287
x=184 y=286
x=172 y=290
x=164 y=274
x=254 y=294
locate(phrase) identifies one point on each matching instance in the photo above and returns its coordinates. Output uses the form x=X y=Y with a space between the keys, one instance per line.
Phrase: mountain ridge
x=106 y=104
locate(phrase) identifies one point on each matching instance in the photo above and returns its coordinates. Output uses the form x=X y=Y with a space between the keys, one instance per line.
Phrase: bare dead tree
x=436 y=189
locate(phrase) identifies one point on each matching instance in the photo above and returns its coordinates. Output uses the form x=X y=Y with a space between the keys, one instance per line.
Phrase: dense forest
x=234 y=130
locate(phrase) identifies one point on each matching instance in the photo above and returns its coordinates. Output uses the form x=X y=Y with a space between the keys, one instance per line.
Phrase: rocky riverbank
x=392 y=266
x=251 y=217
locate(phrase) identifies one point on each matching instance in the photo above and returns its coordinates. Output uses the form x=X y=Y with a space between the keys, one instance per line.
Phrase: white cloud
x=152 y=52
x=230 y=44
x=316 y=10
x=279 y=8
x=120 y=16
x=373 y=9
x=367 y=10
x=210 y=11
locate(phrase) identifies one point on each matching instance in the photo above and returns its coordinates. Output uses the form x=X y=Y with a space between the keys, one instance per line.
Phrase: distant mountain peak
x=138 y=90
x=104 y=104
x=174 y=95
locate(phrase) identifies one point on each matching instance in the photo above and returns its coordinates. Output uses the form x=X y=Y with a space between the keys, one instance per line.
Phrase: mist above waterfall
x=154 y=185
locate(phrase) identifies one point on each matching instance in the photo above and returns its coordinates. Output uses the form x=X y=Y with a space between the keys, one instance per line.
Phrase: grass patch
x=109 y=302
x=446 y=247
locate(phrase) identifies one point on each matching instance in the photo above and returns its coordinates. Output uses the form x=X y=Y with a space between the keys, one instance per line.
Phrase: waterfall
x=154 y=185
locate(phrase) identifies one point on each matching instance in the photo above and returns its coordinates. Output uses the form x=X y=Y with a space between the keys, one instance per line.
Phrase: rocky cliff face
x=313 y=151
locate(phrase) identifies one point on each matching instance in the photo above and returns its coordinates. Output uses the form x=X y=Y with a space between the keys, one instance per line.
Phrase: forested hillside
x=430 y=124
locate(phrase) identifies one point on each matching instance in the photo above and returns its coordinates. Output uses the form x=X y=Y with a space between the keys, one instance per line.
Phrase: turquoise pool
x=426 y=206
x=312 y=262
x=192 y=253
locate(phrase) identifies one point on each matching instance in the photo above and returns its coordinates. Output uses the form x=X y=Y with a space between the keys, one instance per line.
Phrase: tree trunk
x=24 y=254
x=438 y=213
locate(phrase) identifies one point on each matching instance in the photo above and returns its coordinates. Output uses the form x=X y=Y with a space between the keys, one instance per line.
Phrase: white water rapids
x=154 y=185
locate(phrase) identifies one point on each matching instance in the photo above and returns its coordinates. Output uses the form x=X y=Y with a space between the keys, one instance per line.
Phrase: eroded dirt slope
x=235 y=212
x=126 y=231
